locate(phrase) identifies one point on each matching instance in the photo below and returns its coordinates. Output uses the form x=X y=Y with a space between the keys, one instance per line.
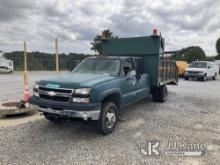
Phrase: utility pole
x=25 y=65
x=57 y=55
x=26 y=94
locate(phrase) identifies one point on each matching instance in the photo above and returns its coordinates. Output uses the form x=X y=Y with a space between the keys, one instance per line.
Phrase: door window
x=128 y=67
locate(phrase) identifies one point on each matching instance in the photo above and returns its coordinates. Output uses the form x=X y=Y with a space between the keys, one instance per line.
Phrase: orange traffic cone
x=26 y=94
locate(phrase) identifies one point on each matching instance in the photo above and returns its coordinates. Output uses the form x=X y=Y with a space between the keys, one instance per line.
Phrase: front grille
x=58 y=94
x=194 y=72
x=55 y=98
x=59 y=90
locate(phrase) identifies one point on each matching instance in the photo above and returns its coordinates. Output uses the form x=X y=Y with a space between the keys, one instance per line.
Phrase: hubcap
x=110 y=119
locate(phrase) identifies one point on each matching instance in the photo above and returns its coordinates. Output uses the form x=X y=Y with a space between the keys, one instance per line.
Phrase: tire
x=52 y=118
x=186 y=78
x=160 y=94
x=204 y=78
x=215 y=77
x=105 y=124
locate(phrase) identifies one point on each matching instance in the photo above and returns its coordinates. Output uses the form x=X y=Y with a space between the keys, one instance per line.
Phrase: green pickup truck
x=128 y=70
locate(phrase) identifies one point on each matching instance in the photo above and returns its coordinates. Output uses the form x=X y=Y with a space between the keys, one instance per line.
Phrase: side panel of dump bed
x=168 y=69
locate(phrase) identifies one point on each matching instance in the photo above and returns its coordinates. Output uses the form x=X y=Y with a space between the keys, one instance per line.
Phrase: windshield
x=198 y=65
x=99 y=66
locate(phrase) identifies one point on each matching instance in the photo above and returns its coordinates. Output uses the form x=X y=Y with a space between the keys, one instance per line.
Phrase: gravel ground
x=191 y=115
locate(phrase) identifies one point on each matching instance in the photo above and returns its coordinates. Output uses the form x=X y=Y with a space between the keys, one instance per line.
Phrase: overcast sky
x=76 y=22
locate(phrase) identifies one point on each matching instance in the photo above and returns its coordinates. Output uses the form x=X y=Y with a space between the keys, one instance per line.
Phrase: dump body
x=161 y=67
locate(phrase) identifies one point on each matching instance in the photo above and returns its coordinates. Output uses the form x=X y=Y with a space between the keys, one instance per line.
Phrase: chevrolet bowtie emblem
x=51 y=93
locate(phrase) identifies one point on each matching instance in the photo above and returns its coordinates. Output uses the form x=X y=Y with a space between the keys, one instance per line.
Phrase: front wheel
x=160 y=94
x=108 y=118
x=204 y=78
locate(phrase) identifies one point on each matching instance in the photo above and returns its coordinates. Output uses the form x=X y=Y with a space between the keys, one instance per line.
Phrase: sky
x=76 y=22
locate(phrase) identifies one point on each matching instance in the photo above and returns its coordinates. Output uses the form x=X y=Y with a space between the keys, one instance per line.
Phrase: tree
x=44 y=61
x=96 y=43
x=191 y=53
x=217 y=57
x=218 y=46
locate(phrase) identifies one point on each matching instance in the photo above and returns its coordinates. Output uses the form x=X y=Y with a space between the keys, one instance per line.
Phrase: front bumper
x=67 y=110
x=193 y=75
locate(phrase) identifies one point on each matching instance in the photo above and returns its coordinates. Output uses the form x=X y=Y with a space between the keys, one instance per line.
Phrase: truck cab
x=99 y=86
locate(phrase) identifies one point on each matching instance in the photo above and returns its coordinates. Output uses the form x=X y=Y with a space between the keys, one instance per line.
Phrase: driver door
x=128 y=85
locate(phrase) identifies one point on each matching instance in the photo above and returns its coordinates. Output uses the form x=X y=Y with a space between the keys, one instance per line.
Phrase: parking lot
x=191 y=115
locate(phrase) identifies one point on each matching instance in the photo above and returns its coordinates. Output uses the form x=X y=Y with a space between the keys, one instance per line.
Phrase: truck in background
x=128 y=70
x=6 y=66
x=202 y=70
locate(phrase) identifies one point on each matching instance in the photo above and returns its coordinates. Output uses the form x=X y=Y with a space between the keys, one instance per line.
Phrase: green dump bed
x=160 y=66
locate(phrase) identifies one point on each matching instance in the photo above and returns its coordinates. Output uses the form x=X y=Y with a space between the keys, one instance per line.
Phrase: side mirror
x=138 y=76
x=131 y=75
x=209 y=67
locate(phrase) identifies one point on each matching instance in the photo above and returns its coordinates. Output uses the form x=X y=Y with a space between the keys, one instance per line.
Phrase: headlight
x=36 y=94
x=82 y=91
x=36 y=86
x=80 y=100
x=35 y=90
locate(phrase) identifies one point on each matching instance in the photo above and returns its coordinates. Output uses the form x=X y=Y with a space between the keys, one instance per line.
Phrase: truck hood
x=196 y=69
x=76 y=80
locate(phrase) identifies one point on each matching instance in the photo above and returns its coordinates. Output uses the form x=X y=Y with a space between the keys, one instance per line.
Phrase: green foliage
x=44 y=61
x=210 y=58
x=218 y=46
x=191 y=53
x=96 y=43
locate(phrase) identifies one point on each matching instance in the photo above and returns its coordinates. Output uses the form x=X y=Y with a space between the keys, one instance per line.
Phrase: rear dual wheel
x=160 y=94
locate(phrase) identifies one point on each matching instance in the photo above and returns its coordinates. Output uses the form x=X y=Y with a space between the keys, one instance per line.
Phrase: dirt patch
x=10 y=104
x=15 y=120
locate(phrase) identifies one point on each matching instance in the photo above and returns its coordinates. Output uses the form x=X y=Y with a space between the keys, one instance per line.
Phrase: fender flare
x=109 y=92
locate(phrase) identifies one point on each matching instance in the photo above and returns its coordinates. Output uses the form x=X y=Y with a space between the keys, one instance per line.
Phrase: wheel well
x=115 y=98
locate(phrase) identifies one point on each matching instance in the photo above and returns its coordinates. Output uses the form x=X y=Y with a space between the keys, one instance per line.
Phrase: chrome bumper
x=85 y=115
x=194 y=75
